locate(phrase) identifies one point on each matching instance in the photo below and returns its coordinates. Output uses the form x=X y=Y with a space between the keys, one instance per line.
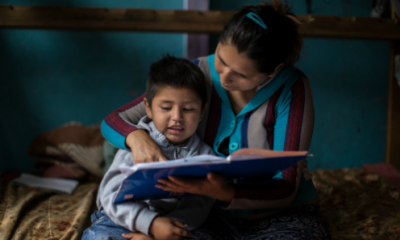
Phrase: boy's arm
x=135 y=216
x=119 y=123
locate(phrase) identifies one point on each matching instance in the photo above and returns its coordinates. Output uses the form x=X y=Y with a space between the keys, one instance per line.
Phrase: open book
x=140 y=179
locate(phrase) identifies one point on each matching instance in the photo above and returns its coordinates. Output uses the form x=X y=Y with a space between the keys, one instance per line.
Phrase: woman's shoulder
x=199 y=60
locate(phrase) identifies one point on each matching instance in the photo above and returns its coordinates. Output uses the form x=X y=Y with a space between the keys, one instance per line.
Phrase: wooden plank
x=393 y=125
x=209 y=22
x=108 y=19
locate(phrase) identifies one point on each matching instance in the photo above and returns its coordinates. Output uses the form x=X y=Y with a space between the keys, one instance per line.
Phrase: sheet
x=358 y=204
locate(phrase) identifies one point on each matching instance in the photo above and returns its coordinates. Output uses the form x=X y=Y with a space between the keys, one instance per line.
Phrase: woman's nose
x=225 y=76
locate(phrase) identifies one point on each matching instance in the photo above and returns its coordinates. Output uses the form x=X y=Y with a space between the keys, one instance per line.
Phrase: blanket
x=29 y=213
x=358 y=204
x=70 y=151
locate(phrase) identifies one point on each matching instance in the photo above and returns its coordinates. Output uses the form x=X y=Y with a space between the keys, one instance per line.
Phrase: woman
x=257 y=99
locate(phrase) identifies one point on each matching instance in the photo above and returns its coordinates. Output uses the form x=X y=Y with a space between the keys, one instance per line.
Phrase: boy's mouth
x=175 y=130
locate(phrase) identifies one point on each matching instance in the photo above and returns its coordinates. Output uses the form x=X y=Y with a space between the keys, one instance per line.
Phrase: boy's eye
x=166 y=108
x=188 y=109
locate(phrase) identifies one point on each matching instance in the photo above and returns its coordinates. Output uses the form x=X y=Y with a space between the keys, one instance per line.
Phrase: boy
x=175 y=102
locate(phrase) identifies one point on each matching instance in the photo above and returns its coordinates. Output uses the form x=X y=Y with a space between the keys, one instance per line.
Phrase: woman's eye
x=241 y=75
x=165 y=108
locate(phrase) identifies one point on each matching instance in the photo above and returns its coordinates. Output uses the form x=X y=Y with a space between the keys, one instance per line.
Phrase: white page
x=54 y=184
x=194 y=160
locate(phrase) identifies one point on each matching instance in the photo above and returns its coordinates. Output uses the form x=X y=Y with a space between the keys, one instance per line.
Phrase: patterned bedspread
x=355 y=204
x=28 y=213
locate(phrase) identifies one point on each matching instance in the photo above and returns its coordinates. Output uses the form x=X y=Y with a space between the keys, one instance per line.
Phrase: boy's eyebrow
x=228 y=66
x=167 y=101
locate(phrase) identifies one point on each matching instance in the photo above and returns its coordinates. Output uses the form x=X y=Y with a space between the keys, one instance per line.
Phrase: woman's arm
x=121 y=130
x=119 y=123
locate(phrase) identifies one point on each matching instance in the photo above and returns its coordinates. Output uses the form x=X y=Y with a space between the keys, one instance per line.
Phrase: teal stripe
x=281 y=122
x=266 y=92
x=112 y=136
x=217 y=83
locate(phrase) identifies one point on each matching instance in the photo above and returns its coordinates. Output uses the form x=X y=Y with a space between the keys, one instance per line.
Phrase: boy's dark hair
x=178 y=73
x=279 y=43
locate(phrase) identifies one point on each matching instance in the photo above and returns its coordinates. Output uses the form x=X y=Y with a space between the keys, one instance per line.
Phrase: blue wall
x=53 y=77
x=349 y=80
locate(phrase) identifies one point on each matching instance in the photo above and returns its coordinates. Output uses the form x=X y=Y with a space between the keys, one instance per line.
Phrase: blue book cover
x=141 y=179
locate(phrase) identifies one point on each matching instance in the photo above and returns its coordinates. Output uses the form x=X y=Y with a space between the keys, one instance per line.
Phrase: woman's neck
x=240 y=99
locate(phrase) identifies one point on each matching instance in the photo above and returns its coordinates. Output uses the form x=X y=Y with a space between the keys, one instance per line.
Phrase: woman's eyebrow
x=221 y=59
x=228 y=66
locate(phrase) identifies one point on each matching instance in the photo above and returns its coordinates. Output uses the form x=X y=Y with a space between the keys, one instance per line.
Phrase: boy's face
x=176 y=113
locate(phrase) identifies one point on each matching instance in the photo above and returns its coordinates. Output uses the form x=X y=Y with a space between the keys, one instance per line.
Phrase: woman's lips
x=226 y=85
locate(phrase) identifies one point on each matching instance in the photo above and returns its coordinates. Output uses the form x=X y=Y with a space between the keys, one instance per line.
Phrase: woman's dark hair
x=279 y=43
x=178 y=73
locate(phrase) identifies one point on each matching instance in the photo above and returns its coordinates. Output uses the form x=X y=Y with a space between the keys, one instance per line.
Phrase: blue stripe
x=245 y=127
x=112 y=136
x=196 y=61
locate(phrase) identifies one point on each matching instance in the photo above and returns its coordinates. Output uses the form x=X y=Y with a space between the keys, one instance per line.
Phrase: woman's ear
x=276 y=70
x=148 y=108
x=203 y=112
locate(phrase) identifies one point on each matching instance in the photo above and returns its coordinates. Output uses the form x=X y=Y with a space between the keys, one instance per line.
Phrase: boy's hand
x=137 y=236
x=143 y=148
x=163 y=228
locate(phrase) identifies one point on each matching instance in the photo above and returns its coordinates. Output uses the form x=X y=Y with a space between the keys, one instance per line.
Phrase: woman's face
x=237 y=72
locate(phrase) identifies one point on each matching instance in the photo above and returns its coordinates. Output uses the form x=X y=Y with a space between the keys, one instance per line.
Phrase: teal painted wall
x=349 y=80
x=53 y=77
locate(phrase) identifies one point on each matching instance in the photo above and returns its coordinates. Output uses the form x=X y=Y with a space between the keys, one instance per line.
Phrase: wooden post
x=393 y=126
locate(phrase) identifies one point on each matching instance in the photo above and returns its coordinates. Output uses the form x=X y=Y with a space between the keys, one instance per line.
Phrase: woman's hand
x=143 y=148
x=214 y=186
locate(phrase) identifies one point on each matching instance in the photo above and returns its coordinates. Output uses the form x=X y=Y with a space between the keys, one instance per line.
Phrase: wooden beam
x=209 y=22
x=393 y=125
x=109 y=19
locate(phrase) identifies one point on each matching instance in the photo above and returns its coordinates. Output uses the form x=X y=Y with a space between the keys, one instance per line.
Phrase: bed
x=355 y=204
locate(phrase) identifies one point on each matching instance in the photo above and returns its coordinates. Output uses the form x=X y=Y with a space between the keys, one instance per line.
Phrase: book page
x=194 y=160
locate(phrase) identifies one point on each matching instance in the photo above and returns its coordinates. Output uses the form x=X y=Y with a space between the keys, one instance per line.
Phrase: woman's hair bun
x=282 y=9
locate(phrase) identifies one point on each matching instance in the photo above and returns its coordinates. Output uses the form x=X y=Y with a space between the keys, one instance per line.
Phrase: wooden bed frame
x=212 y=22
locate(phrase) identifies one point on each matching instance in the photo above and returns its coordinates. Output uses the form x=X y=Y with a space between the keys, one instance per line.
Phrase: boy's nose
x=177 y=115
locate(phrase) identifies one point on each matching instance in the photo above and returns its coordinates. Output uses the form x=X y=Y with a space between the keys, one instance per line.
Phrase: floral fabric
x=358 y=204
x=354 y=204
x=29 y=213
